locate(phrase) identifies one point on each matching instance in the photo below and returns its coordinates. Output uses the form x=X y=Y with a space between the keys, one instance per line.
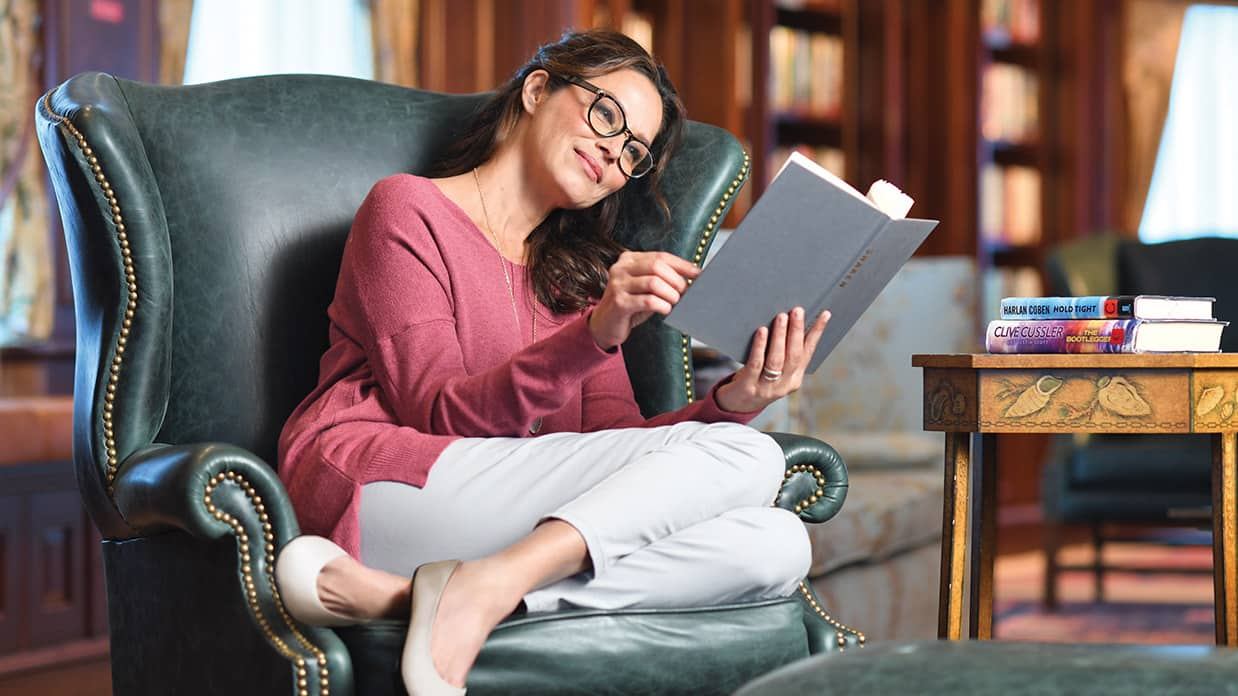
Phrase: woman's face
x=583 y=164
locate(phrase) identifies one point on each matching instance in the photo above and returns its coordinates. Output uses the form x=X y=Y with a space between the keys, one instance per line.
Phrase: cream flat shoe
x=416 y=665
x=296 y=574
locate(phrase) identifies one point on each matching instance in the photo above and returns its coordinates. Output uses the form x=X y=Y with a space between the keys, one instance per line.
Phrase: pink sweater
x=424 y=350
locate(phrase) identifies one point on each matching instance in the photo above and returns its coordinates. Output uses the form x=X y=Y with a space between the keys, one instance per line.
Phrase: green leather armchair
x=204 y=226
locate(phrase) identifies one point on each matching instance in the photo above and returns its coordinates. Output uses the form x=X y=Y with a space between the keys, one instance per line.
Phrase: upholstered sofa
x=878 y=561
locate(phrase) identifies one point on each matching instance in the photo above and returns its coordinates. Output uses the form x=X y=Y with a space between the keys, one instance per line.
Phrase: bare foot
x=348 y=588
x=470 y=607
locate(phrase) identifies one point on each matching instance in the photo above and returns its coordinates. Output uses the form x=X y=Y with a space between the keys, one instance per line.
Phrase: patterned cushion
x=887 y=512
x=894 y=600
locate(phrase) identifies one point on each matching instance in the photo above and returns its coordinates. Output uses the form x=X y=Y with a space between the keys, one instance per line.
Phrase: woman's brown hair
x=571 y=250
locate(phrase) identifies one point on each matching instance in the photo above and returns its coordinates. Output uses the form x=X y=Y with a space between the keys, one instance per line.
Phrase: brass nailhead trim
x=818 y=494
x=268 y=566
x=109 y=398
x=109 y=435
x=842 y=639
x=699 y=256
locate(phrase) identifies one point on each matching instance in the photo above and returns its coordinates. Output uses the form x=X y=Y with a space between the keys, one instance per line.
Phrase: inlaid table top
x=1056 y=393
x=1111 y=361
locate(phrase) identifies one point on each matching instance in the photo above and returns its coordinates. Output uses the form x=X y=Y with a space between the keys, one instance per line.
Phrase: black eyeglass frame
x=598 y=95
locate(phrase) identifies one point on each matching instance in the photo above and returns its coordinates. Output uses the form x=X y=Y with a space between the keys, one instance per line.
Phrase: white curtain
x=236 y=38
x=1194 y=188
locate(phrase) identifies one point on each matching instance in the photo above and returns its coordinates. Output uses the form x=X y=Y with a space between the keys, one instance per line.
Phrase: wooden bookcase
x=967 y=82
x=1016 y=136
x=802 y=97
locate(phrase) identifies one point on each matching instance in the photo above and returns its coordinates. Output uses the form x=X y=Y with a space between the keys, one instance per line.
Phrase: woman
x=474 y=357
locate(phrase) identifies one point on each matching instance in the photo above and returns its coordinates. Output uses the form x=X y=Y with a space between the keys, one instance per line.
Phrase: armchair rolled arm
x=815 y=488
x=164 y=487
x=816 y=480
x=212 y=490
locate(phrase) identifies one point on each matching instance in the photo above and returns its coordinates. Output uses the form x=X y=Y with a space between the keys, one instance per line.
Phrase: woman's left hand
x=776 y=363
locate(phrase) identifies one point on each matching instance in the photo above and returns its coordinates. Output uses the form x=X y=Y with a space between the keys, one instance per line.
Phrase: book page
x=882 y=195
x=818 y=170
x=889 y=199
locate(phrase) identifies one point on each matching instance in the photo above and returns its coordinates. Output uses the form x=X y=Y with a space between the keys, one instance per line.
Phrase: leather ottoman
x=1006 y=667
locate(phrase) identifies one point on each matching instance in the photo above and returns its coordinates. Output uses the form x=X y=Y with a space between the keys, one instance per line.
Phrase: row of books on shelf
x=1010 y=204
x=805 y=73
x=831 y=158
x=1004 y=22
x=1009 y=103
x=815 y=5
x=1105 y=324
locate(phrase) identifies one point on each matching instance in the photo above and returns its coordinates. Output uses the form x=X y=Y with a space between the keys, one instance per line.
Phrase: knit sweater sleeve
x=610 y=403
x=395 y=297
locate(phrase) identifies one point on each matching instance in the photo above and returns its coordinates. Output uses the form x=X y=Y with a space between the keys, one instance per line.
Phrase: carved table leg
x=1224 y=559
x=954 y=536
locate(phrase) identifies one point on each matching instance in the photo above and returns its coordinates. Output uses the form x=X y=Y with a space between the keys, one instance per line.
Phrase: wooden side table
x=1143 y=393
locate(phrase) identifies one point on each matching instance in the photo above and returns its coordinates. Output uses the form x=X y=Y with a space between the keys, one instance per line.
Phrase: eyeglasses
x=607 y=119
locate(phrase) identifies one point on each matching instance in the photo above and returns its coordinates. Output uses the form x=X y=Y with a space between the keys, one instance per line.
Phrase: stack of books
x=1105 y=324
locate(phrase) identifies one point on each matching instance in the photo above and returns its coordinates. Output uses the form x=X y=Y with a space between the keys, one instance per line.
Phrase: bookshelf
x=1015 y=146
x=802 y=94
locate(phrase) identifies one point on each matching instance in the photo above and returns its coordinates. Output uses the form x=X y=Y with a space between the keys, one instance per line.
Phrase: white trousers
x=675 y=516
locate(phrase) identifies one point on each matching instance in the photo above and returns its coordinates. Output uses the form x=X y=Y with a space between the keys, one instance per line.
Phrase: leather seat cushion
x=711 y=650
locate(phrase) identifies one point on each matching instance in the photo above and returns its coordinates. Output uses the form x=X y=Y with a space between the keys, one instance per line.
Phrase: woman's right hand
x=640 y=283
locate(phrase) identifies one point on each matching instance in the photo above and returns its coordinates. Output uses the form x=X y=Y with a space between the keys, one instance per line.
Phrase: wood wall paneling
x=759 y=127
x=706 y=71
x=929 y=166
x=57 y=569
x=875 y=70
x=962 y=44
x=474 y=45
x=43 y=562
x=12 y=568
x=1089 y=188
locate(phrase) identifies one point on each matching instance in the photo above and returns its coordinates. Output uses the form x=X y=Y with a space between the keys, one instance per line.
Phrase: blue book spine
x=1084 y=307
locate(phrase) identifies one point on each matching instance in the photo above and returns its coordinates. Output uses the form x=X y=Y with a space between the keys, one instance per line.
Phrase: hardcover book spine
x=1087 y=307
x=1061 y=336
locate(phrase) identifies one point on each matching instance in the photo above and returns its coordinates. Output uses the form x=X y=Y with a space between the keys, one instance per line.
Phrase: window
x=1194 y=189
x=235 y=38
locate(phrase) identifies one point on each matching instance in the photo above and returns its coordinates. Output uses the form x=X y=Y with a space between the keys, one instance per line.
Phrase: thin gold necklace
x=498 y=247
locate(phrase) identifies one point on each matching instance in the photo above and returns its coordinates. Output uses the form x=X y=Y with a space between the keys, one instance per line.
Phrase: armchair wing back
x=252 y=184
x=204 y=227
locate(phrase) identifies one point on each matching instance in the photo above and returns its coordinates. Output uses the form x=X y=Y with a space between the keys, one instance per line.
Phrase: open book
x=811 y=241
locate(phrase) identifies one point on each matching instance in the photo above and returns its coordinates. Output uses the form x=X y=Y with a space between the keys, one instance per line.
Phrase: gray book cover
x=808 y=243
